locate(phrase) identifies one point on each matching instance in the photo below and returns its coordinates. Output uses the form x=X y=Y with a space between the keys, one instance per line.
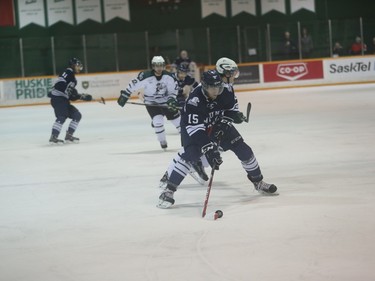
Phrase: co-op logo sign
x=292 y=71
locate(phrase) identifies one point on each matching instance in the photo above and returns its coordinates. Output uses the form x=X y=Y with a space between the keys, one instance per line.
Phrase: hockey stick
x=208 y=192
x=248 y=112
x=153 y=105
x=210 y=183
x=101 y=100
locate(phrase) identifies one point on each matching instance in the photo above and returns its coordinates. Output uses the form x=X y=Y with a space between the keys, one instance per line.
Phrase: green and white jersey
x=157 y=90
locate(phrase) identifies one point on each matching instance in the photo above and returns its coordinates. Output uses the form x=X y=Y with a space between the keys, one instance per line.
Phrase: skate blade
x=56 y=143
x=68 y=141
x=261 y=192
x=197 y=178
x=164 y=204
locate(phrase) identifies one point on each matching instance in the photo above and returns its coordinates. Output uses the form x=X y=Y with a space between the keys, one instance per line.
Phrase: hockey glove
x=123 y=98
x=86 y=97
x=239 y=118
x=172 y=104
x=73 y=94
x=212 y=154
x=222 y=126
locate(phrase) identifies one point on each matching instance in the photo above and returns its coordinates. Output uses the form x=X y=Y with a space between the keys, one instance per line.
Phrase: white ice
x=87 y=212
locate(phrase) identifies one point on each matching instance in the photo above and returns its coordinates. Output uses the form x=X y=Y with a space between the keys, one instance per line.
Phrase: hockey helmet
x=75 y=62
x=158 y=61
x=184 y=68
x=212 y=83
x=227 y=68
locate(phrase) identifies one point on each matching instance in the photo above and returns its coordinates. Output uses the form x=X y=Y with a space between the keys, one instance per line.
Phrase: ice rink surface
x=87 y=212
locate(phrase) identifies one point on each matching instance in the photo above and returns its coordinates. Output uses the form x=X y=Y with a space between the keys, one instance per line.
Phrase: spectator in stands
x=307 y=45
x=338 y=50
x=288 y=47
x=186 y=62
x=182 y=60
x=357 y=47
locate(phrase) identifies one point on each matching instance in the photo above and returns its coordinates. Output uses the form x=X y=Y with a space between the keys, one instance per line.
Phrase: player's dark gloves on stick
x=222 y=126
x=86 y=97
x=172 y=104
x=212 y=154
x=123 y=98
x=239 y=118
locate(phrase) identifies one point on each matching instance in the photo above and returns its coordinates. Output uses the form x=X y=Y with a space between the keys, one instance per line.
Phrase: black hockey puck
x=219 y=213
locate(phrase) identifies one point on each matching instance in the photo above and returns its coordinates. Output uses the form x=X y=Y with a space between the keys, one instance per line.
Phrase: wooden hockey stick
x=208 y=192
x=210 y=183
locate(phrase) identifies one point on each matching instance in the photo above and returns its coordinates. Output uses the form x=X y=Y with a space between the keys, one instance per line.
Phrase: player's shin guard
x=176 y=123
x=158 y=125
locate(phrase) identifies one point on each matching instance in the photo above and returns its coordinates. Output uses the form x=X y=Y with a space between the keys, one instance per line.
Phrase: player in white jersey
x=160 y=92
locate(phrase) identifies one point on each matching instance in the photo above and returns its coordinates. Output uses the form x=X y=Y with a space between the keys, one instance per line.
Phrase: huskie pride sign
x=293 y=71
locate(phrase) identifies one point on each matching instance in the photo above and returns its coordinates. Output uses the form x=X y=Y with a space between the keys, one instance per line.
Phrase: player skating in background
x=185 y=83
x=61 y=94
x=160 y=88
x=206 y=120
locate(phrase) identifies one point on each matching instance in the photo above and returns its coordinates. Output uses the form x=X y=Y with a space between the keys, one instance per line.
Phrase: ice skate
x=54 y=140
x=164 y=145
x=166 y=199
x=69 y=138
x=265 y=188
x=163 y=181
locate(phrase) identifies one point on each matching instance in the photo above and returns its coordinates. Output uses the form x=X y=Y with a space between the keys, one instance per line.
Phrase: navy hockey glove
x=123 y=98
x=222 y=126
x=172 y=104
x=239 y=118
x=212 y=154
x=86 y=97
x=73 y=94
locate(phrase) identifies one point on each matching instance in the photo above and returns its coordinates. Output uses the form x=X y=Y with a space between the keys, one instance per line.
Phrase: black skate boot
x=198 y=167
x=164 y=181
x=70 y=139
x=164 y=145
x=263 y=187
x=54 y=140
x=166 y=199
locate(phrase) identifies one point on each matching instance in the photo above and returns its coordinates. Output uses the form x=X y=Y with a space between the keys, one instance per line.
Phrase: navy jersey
x=200 y=114
x=188 y=81
x=65 y=84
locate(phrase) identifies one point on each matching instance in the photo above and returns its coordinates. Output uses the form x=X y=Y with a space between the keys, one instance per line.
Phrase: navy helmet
x=183 y=68
x=212 y=79
x=74 y=61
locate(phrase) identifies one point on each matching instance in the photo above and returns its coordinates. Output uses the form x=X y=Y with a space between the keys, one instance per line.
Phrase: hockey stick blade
x=101 y=100
x=248 y=112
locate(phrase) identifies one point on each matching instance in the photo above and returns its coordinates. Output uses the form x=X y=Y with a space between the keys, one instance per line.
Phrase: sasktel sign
x=293 y=71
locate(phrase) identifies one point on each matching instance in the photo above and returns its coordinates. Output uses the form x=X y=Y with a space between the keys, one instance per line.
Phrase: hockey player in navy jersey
x=160 y=89
x=61 y=94
x=185 y=83
x=206 y=120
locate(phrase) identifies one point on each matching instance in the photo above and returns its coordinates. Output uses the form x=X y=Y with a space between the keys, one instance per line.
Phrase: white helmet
x=227 y=67
x=158 y=61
